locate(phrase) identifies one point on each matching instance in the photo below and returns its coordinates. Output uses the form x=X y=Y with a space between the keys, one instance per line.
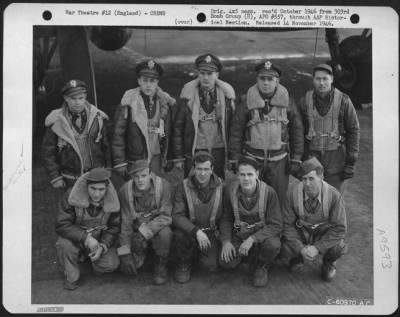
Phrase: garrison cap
x=267 y=68
x=202 y=153
x=138 y=166
x=74 y=87
x=324 y=67
x=98 y=175
x=309 y=165
x=149 y=68
x=248 y=160
x=208 y=62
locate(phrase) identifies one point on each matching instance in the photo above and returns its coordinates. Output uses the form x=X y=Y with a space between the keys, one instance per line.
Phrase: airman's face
x=312 y=183
x=142 y=179
x=267 y=84
x=248 y=176
x=322 y=82
x=97 y=191
x=148 y=85
x=203 y=172
x=207 y=79
x=76 y=103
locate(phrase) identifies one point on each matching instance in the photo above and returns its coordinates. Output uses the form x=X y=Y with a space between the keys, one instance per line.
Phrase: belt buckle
x=208 y=118
x=315 y=226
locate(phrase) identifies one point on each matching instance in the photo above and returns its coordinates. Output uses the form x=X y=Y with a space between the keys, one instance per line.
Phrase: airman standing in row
x=76 y=138
x=203 y=119
x=142 y=122
x=267 y=127
x=331 y=128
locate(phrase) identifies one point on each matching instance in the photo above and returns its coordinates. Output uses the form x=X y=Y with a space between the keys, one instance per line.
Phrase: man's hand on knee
x=246 y=246
x=228 y=251
x=91 y=243
x=95 y=255
x=309 y=252
x=202 y=239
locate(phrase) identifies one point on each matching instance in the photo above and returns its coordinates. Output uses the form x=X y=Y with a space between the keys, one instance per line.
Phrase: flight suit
x=258 y=217
x=320 y=222
x=332 y=134
x=76 y=219
x=196 y=209
x=146 y=219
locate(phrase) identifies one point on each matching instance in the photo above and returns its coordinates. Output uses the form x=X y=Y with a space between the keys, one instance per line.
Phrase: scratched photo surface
x=108 y=62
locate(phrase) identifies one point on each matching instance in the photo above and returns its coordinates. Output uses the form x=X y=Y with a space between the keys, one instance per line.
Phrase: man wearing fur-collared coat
x=142 y=123
x=267 y=127
x=76 y=138
x=88 y=224
x=203 y=119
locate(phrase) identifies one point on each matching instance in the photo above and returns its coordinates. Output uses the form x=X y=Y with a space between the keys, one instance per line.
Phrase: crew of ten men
x=262 y=136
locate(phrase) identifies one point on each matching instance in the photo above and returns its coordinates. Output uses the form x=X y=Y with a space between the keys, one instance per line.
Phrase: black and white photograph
x=181 y=166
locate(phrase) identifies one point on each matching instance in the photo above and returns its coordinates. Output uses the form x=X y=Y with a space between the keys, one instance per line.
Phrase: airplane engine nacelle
x=110 y=38
x=355 y=79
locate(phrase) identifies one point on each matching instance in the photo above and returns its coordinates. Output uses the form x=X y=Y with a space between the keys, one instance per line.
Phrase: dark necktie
x=311 y=204
x=267 y=107
x=78 y=121
x=206 y=101
x=149 y=103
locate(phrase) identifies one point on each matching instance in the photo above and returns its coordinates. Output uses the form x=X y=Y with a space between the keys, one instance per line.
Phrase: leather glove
x=348 y=172
x=122 y=170
x=59 y=184
x=294 y=168
x=128 y=264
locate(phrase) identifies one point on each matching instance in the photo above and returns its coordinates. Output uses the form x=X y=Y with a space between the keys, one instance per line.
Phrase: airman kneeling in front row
x=145 y=219
x=197 y=212
x=314 y=221
x=88 y=224
x=252 y=211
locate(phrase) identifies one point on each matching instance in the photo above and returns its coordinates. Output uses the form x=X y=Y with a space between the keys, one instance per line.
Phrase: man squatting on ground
x=88 y=224
x=251 y=223
x=146 y=208
x=314 y=221
x=331 y=127
x=203 y=118
x=142 y=123
x=76 y=137
x=198 y=207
